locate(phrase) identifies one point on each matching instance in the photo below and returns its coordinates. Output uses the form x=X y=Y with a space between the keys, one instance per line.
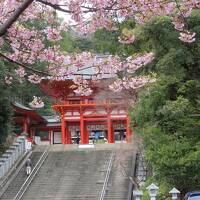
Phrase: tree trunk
x=15 y=15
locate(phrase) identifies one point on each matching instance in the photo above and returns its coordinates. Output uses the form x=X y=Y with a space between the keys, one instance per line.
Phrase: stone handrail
x=15 y=151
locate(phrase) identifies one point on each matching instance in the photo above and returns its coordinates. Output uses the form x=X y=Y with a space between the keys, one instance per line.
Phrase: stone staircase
x=70 y=175
x=19 y=179
x=118 y=184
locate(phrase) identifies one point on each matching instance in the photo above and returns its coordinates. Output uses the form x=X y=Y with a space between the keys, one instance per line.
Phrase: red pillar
x=110 y=130
x=128 y=130
x=63 y=129
x=82 y=129
x=67 y=136
x=26 y=125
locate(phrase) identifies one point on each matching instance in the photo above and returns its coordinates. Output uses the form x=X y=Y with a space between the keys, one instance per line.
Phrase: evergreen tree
x=168 y=115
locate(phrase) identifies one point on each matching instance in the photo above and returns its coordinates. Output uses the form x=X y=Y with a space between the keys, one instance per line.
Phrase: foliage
x=5 y=108
x=167 y=116
x=71 y=42
x=106 y=42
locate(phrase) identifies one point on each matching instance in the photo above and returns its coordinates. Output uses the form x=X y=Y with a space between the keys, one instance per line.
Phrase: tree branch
x=8 y=23
x=38 y=71
x=55 y=6
x=23 y=65
x=59 y=7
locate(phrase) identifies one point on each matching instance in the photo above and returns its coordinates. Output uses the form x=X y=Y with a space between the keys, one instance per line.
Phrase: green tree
x=104 y=41
x=167 y=115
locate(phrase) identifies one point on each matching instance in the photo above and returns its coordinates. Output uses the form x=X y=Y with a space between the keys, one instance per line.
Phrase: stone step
x=72 y=174
x=18 y=181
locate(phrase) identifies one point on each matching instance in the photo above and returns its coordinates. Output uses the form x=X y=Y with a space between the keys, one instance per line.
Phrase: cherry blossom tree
x=26 y=45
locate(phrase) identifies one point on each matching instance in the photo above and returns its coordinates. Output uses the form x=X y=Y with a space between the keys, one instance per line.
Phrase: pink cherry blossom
x=83 y=91
x=109 y=65
x=82 y=59
x=34 y=78
x=133 y=63
x=78 y=80
x=36 y=102
x=53 y=34
x=178 y=23
x=20 y=72
x=82 y=86
x=8 y=80
x=116 y=86
x=187 y=37
x=130 y=83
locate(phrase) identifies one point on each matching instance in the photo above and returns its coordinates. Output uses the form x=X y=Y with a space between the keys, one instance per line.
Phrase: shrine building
x=102 y=116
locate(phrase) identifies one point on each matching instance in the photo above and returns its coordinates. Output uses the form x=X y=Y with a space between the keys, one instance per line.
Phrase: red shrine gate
x=85 y=116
